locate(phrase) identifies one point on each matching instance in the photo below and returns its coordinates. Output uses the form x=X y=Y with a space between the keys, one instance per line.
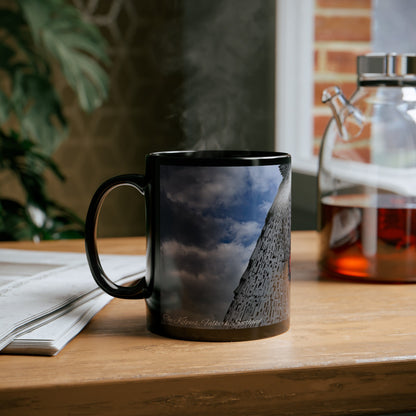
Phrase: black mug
x=218 y=243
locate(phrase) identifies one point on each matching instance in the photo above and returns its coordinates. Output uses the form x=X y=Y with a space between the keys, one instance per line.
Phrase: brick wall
x=342 y=32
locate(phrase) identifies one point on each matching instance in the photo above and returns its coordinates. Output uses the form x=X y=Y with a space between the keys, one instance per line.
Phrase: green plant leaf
x=12 y=24
x=4 y=107
x=59 y=30
x=14 y=222
x=27 y=164
x=39 y=217
x=10 y=20
x=6 y=55
x=42 y=119
x=34 y=33
x=16 y=38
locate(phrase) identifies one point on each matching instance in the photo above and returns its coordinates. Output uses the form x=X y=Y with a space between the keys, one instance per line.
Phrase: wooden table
x=351 y=349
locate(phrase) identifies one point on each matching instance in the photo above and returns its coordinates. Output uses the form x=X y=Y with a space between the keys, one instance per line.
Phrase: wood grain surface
x=351 y=349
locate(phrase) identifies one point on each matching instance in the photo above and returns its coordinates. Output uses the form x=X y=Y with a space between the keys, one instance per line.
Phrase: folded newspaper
x=46 y=298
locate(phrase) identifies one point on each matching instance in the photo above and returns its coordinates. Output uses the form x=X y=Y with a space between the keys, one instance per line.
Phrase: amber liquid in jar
x=369 y=238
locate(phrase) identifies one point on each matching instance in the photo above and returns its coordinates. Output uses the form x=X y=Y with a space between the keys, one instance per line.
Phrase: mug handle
x=140 y=289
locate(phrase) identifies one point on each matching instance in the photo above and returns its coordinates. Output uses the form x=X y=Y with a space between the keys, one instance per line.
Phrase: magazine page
x=38 y=287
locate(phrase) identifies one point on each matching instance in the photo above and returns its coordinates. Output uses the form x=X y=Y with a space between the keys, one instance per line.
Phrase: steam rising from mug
x=228 y=65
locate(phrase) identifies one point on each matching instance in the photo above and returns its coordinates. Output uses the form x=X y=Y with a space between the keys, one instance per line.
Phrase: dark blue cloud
x=211 y=205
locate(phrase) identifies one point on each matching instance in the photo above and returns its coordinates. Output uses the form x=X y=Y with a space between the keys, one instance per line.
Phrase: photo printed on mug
x=224 y=246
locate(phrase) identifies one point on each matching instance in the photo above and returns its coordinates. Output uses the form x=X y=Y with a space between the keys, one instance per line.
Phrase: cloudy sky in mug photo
x=210 y=220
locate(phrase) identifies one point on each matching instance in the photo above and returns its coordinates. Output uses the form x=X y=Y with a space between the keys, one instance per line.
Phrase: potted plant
x=38 y=37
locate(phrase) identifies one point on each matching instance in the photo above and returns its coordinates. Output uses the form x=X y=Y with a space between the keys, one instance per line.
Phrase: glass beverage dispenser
x=367 y=174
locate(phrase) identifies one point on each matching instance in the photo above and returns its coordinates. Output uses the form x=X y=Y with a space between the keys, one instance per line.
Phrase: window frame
x=294 y=83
